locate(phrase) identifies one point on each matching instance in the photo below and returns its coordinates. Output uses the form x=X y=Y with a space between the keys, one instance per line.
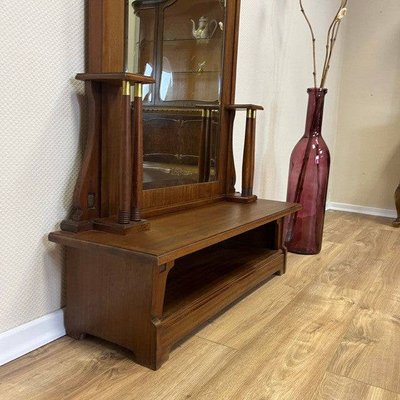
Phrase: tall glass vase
x=308 y=181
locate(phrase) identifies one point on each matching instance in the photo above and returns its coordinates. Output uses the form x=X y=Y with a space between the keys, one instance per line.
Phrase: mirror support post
x=246 y=196
x=249 y=154
x=205 y=145
x=125 y=165
x=137 y=180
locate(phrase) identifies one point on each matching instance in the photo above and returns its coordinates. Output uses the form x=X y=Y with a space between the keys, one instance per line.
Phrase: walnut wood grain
x=125 y=160
x=121 y=289
x=178 y=234
x=241 y=107
x=246 y=195
x=249 y=154
x=208 y=266
x=146 y=306
x=205 y=146
x=106 y=53
x=114 y=78
x=145 y=289
x=231 y=171
x=86 y=199
x=137 y=173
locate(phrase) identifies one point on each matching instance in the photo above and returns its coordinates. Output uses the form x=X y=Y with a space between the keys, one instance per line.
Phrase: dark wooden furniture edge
x=244 y=107
x=115 y=77
x=249 y=150
x=137 y=303
x=396 y=223
x=77 y=241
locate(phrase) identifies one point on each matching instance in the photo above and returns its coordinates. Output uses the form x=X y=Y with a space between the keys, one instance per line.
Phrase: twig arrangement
x=330 y=41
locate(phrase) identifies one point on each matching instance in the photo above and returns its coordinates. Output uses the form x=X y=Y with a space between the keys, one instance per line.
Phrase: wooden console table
x=158 y=239
x=147 y=290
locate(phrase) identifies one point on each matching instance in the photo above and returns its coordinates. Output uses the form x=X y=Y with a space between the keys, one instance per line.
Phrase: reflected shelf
x=214 y=40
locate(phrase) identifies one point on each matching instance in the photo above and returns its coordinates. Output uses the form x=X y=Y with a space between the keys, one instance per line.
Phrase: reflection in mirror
x=180 y=44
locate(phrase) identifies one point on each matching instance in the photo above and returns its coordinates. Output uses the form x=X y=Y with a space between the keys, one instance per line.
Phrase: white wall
x=41 y=48
x=275 y=70
x=366 y=168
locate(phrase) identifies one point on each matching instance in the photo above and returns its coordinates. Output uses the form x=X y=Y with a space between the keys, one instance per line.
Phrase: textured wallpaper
x=275 y=70
x=41 y=107
x=41 y=49
x=369 y=125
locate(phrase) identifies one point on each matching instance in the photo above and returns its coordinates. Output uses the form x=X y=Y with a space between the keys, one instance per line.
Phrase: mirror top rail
x=115 y=77
x=244 y=107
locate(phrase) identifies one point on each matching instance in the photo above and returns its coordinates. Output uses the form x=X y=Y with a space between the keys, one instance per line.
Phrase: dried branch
x=313 y=43
x=331 y=40
x=328 y=39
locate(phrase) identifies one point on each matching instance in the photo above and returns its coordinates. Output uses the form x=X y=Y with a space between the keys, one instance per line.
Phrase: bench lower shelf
x=202 y=285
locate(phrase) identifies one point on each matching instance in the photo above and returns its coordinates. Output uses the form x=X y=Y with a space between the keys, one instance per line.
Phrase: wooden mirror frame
x=107 y=53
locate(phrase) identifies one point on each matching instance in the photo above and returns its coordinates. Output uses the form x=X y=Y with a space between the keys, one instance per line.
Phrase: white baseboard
x=28 y=337
x=380 y=212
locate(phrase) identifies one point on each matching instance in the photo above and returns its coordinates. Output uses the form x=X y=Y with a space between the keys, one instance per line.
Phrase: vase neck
x=315 y=111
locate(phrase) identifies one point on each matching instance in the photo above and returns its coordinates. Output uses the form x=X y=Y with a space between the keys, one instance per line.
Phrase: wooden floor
x=328 y=330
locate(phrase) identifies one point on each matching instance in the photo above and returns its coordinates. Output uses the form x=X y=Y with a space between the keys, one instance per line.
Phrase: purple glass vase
x=308 y=181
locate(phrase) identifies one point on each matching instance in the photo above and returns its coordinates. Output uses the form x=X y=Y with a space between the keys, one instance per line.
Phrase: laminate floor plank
x=370 y=350
x=357 y=266
x=339 y=225
x=251 y=316
x=334 y=387
x=194 y=362
x=105 y=371
x=65 y=364
x=288 y=360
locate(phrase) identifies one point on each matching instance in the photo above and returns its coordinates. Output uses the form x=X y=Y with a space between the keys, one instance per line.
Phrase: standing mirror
x=180 y=44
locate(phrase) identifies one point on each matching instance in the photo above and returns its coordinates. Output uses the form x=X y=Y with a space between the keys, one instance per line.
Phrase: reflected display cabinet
x=158 y=240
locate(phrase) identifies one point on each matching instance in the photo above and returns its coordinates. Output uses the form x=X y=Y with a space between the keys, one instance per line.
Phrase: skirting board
x=379 y=212
x=28 y=337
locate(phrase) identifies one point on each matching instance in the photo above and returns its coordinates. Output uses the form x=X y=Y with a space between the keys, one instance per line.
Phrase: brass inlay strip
x=251 y=113
x=126 y=88
x=206 y=113
x=138 y=89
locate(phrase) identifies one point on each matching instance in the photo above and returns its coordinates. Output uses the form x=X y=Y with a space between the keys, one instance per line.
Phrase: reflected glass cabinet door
x=180 y=43
x=192 y=51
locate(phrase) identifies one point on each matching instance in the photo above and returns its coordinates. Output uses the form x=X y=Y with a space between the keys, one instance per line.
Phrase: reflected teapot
x=204 y=31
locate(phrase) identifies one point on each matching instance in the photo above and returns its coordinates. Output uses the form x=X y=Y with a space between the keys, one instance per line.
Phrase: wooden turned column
x=231 y=170
x=246 y=195
x=205 y=147
x=137 y=181
x=249 y=154
x=125 y=165
x=396 y=223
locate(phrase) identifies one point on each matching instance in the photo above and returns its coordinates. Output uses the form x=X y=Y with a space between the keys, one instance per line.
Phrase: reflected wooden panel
x=180 y=44
x=180 y=146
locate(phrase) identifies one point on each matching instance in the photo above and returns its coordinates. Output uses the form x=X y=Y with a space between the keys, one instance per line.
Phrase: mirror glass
x=180 y=44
